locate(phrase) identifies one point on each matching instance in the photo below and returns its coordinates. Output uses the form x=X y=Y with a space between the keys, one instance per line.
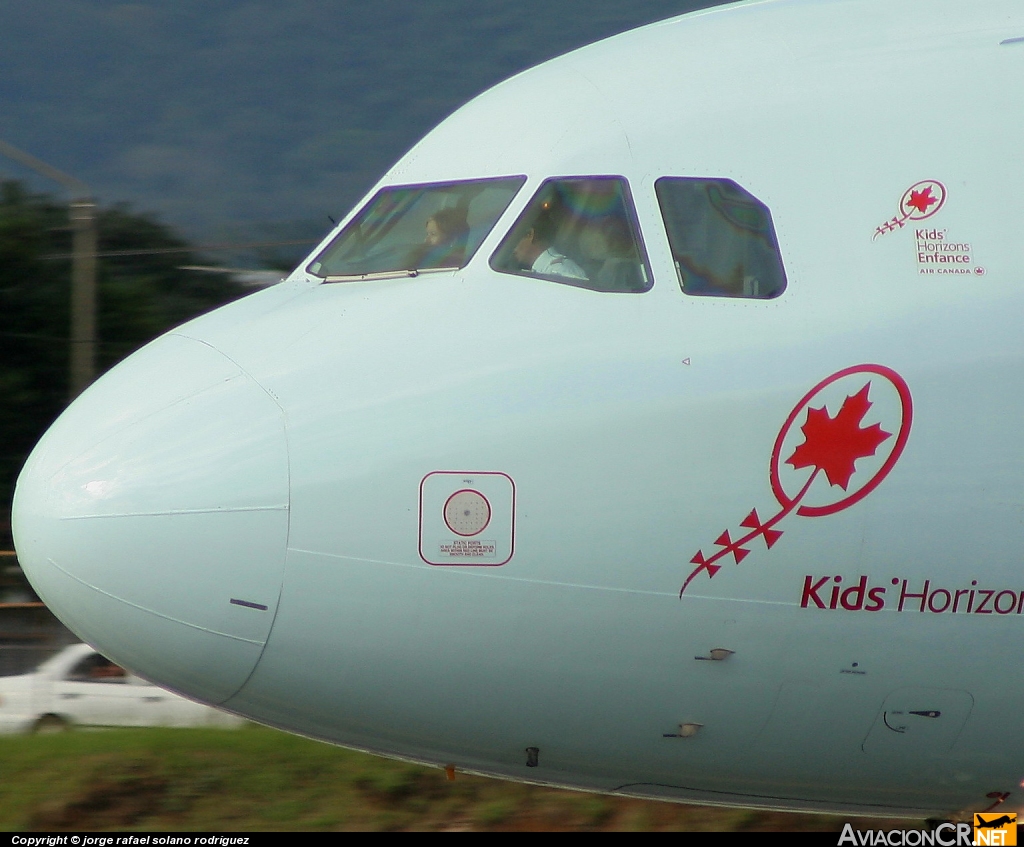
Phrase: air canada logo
x=920 y=201
x=837 y=445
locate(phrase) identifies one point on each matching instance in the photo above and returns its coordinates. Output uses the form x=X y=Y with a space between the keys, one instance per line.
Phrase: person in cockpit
x=537 y=253
x=444 y=241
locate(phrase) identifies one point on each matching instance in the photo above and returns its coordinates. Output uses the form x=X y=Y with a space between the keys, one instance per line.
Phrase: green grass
x=257 y=779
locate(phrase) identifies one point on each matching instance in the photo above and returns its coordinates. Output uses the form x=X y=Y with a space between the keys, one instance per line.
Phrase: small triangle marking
x=752 y=521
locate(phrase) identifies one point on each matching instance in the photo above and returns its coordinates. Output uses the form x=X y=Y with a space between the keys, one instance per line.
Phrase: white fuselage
x=280 y=451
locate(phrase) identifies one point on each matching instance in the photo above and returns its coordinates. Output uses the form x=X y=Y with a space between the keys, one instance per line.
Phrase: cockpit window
x=579 y=231
x=722 y=238
x=408 y=229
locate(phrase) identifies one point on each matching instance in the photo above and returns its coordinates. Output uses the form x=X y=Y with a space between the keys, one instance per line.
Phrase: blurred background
x=218 y=142
x=218 y=135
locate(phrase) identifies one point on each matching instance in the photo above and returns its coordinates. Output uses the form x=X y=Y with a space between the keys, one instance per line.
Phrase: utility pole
x=83 y=268
x=83 y=295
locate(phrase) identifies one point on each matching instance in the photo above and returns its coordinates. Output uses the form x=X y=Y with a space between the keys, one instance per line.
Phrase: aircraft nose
x=152 y=517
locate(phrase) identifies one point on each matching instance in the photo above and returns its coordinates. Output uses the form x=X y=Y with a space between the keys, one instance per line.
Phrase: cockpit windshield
x=404 y=230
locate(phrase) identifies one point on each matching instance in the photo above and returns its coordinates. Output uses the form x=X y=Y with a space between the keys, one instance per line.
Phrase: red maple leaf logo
x=833 y=445
x=921 y=200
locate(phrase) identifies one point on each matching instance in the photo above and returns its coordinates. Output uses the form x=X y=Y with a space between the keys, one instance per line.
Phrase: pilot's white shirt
x=553 y=263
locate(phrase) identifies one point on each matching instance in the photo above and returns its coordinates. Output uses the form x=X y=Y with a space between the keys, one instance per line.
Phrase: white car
x=79 y=687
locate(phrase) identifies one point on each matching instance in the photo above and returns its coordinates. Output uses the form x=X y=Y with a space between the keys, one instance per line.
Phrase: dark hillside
x=221 y=116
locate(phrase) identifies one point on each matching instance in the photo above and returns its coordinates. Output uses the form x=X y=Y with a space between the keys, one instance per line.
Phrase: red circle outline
x=487 y=503
x=901 y=440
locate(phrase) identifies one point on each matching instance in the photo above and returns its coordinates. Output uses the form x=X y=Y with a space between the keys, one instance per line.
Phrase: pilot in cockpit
x=446 y=234
x=444 y=241
x=536 y=251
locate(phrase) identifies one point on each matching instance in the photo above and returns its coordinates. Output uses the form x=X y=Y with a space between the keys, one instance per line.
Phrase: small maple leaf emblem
x=922 y=200
x=833 y=445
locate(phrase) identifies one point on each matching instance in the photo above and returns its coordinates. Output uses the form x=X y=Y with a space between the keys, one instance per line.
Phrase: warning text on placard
x=465 y=548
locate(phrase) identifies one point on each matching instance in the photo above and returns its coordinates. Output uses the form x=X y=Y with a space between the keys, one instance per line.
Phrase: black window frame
x=772 y=241
x=399 y=273
x=505 y=247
